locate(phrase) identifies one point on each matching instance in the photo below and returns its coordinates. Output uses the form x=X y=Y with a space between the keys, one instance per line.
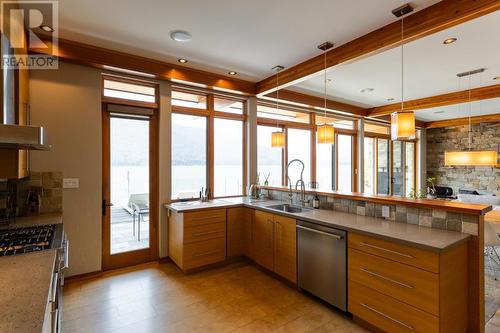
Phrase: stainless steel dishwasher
x=322 y=264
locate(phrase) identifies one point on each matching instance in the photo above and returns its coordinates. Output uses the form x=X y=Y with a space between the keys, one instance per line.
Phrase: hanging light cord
x=402 y=64
x=277 y=98
x=470 y=107
x=324 y=51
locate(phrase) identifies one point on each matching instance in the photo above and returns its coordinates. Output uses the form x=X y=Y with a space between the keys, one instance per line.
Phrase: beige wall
x=67 y=102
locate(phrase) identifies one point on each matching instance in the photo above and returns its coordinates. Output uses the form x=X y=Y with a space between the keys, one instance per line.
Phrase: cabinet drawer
x=401 y=253
x=204 y=217
x=204 y=232
x=203 y=253
x=388 y=313
x=405 y=283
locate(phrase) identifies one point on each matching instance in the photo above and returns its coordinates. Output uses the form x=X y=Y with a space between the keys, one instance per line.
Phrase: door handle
x=321 y=232
x=105 y=205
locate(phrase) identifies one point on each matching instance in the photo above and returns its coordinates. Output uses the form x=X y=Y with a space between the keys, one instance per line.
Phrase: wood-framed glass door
x=130 y=185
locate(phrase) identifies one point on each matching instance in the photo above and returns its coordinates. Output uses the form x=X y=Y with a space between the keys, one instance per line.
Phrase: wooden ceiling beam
x=491 y=118
x=314 y=101
x=102 y=58
x=438 y=17
x=458 y=97
x=418 y=123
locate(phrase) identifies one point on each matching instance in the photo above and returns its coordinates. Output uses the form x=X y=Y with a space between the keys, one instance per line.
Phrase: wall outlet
x=71 y=182
x=386 y=211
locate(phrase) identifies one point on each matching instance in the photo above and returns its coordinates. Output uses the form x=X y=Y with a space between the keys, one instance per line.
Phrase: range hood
x=22 y=137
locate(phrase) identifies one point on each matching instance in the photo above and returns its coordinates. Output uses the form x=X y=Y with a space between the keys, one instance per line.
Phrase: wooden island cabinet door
x=263 y=243
x=285 y=255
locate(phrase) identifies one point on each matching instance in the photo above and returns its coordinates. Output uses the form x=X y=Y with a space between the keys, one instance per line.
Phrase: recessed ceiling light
x=232 y=73
x=449 y=40
x=329 y=80
x=180 y=36
x=390 y=99
x=438 y=112
x=367 y=90
x=182 y=60
x=46 y=28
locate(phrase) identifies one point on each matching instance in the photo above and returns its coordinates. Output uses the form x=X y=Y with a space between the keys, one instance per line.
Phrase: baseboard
x=84 y=276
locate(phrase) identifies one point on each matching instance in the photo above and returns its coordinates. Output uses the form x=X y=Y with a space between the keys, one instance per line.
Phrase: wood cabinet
x=236 y=227
x=263 y=243
x=285 y=245
x=400 y=288
x=198 y=238
x=275 y=244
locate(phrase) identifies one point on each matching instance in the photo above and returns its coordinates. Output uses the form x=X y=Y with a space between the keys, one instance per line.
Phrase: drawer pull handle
x=205 y=233
x=205 y=254
x=387 y=250
x=387 y=317
x=387 y=278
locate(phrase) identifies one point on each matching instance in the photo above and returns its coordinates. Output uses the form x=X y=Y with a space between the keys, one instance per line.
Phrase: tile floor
x=122 y=236
x=159 y=298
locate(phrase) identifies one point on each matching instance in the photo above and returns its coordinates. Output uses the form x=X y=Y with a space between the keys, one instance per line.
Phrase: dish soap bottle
x=316 y=202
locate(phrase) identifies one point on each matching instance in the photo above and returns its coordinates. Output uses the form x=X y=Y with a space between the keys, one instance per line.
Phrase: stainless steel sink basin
x=289 y=208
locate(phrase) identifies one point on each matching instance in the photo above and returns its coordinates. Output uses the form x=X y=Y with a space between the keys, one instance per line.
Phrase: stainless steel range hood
x=22 y=137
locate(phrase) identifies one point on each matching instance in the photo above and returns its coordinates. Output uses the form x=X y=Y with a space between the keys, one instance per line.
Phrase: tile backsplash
x=49 y=185
x=432 y=218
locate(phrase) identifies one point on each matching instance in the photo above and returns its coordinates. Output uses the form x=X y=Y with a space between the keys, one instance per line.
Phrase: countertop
x=25 y=281
x=52 y=218
x=436 y=240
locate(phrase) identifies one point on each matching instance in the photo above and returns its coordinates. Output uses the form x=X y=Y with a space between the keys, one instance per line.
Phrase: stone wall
x=483 y=137
x=431 y=218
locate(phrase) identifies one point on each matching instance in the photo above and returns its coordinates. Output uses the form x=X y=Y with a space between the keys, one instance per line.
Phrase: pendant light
x=471 y=157
x=278 y=136
x=402 y=122
x=326 y=132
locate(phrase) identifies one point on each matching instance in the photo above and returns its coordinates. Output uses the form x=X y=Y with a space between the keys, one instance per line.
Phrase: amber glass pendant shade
x=471 y=158
x=326 y=134
x=403 y=126
x=278 y=139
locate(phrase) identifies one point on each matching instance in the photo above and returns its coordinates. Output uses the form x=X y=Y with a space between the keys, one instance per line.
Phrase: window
x=189 y=100
x=129 y=90
x=397 y=168
x=228 y=105
x=369 y=165
x=283 y=114
x=189 y=155
x=383 y=166
x=337 y=122
x=324 y=166
x=228 y=157
x=409 y=167
x=345 y=162
x=378 y=129
x=299 y=147
x=203 y=125
x=269 y=159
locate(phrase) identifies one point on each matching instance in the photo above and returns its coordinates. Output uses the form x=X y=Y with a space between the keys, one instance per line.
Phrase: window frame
x=312 y=126
x=125 y=101
x=211 y=115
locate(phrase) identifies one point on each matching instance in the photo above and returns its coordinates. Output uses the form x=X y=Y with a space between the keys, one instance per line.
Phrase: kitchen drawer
x=204 y=232
x=388 y=313
x=203 y=253
x=401 y=253
x=204 y=217
x=405 y=283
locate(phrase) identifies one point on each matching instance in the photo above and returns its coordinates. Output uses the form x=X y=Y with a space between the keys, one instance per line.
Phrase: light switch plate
x=385 y=211
x=71 y=183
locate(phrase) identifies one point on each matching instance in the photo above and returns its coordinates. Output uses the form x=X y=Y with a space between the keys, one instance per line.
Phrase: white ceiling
x=430 y=68
x=477 y=108
x=249 y=37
